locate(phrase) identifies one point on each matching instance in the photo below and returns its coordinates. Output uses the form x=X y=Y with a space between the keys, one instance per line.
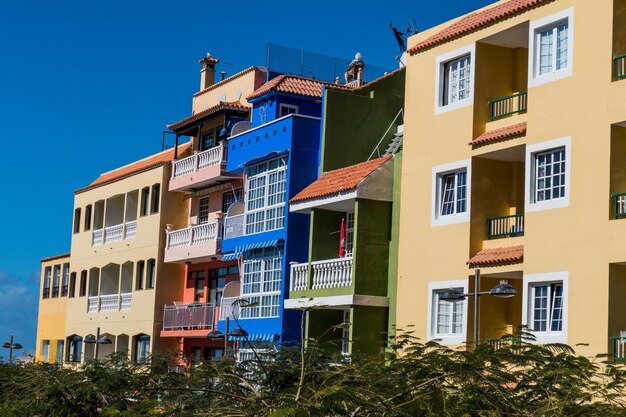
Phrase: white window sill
x=548 y=205
x=450 y=219
x=548 y=78
x=447 y=340
x=454 y=106
x=547 y=337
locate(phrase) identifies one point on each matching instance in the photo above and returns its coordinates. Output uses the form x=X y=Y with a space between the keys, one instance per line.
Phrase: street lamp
x=502 y=290
x=97 y=341
x=11 y=345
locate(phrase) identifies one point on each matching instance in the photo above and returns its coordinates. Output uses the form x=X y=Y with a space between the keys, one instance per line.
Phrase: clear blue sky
x=88 y=86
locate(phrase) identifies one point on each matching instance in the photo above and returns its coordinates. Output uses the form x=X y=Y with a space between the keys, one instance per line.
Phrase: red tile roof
x=494 y=256
x=504 y=133
x=293 y=85
x=188 y=121
x=477 y=20
x=343 y=179
x=143 y=165
x=226 y=80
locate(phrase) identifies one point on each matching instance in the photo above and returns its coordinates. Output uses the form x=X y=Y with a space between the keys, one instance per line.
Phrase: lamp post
x=97 y=341
x=11 y=345
x=502 y=290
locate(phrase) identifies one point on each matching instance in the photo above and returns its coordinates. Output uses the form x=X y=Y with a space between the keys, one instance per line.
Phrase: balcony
x=619 y=205
x=333 y=273
x=505 y=226
x=618 y=348
x=194 y=243
x=508 y=106
x=200 y=170
x=188 y=320
x=115 y=233
x=109 y=303
x=620 y=66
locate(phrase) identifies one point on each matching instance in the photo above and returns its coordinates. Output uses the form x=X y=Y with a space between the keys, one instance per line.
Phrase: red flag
x=342 y=239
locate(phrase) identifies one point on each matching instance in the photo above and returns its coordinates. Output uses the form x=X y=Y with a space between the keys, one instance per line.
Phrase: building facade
x=514 y=127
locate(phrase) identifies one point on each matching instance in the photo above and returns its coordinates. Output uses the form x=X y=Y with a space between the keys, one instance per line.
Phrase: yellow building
x=515 y=137
x=53 y=290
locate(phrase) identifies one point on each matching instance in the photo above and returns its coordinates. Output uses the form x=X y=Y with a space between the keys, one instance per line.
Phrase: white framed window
x=544 y=308
x=266 y=190
x=45 y=350
x=203 y=211
x=261 y=285
x=551 y=41
x=455 y=79
x=349 y=233
x=547 y=179
x=447 y=319
x=287 y=109
x=451 y=191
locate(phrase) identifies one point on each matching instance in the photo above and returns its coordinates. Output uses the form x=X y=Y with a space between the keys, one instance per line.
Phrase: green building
x=349 y=278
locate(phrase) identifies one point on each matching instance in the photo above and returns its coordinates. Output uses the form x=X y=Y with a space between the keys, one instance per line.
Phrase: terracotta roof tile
x=477 y=20
x=186 y=122
x=504 y=133
x=225 y=80
x=135 y=168
x=494 y=256
x=293 y=85
x=343 y=179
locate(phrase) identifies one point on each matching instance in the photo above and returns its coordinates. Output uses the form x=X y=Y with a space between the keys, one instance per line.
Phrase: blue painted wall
x=300 y=136
x=270 y=104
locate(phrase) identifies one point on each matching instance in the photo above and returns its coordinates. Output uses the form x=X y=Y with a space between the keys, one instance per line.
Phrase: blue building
x=278 y=156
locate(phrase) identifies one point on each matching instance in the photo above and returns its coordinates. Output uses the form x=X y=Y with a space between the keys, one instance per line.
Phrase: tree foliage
x=513 y=377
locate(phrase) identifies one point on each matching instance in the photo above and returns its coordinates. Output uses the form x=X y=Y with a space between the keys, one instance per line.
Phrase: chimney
x=207 y=73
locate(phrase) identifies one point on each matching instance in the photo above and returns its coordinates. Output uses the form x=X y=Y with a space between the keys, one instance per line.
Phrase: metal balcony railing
x=507 y=106
x=505 y=226
x=619 y=205
x=195 y=316
x=620 y=66
x=618 y=348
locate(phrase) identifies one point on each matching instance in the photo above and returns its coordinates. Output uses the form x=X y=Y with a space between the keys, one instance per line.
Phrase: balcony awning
x=258 y=245
x=231 y=256
x=266 y=157
x=255 y=337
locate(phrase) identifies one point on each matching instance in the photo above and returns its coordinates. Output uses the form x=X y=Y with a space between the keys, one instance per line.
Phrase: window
x=231 y=197
x=349 y=233
x=451 y=193
x=145 y=201
x=65 y=281
x=265 y=199
x=154 y=205
x=56 y=278
x=203 y=211
x=199 y=284
x=287 y=109
x=217 y=281
x=446 y=319
x=46 y=282
x=45 y=350
x=75 y=349
x=141 y=267
x=72 y=289
x=77 y=220
x=209 y=138
x=455 y=79
x=83 y=284
x=551 y=41
x=545 y=306
x=547 y=174
x=151 y=273
x=88 y=217
x=261 y=283
x=60 y=350
x=142 y=348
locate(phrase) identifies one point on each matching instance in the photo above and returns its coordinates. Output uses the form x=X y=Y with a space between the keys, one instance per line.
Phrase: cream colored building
x=54 y=289
x=515 y=139
x=121 y=282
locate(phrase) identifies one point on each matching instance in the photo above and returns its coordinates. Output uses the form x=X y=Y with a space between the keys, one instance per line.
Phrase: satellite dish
x=240 y=127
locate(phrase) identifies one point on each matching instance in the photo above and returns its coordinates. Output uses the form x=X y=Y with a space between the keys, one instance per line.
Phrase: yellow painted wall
x=579 y=239
x=51 y=316
x=233 y=90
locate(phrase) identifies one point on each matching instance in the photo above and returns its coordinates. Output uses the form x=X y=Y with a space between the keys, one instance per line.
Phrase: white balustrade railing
x=334 y=273
x=189 y=316
x=130 y=230
x=233 y=226
x=98 y=237
x=228 y=308
x=109 y=302
x=113 y=233
x=92 y=306
x=127 y=299
x=193 y=235
x=299 y=277
x=198 y=161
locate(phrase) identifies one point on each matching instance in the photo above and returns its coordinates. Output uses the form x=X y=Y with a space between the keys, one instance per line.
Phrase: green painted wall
x=392 y=275
x=368 y=329
x=372 y=233
x=319 y=323
x=325 y=226
x=355 y=121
